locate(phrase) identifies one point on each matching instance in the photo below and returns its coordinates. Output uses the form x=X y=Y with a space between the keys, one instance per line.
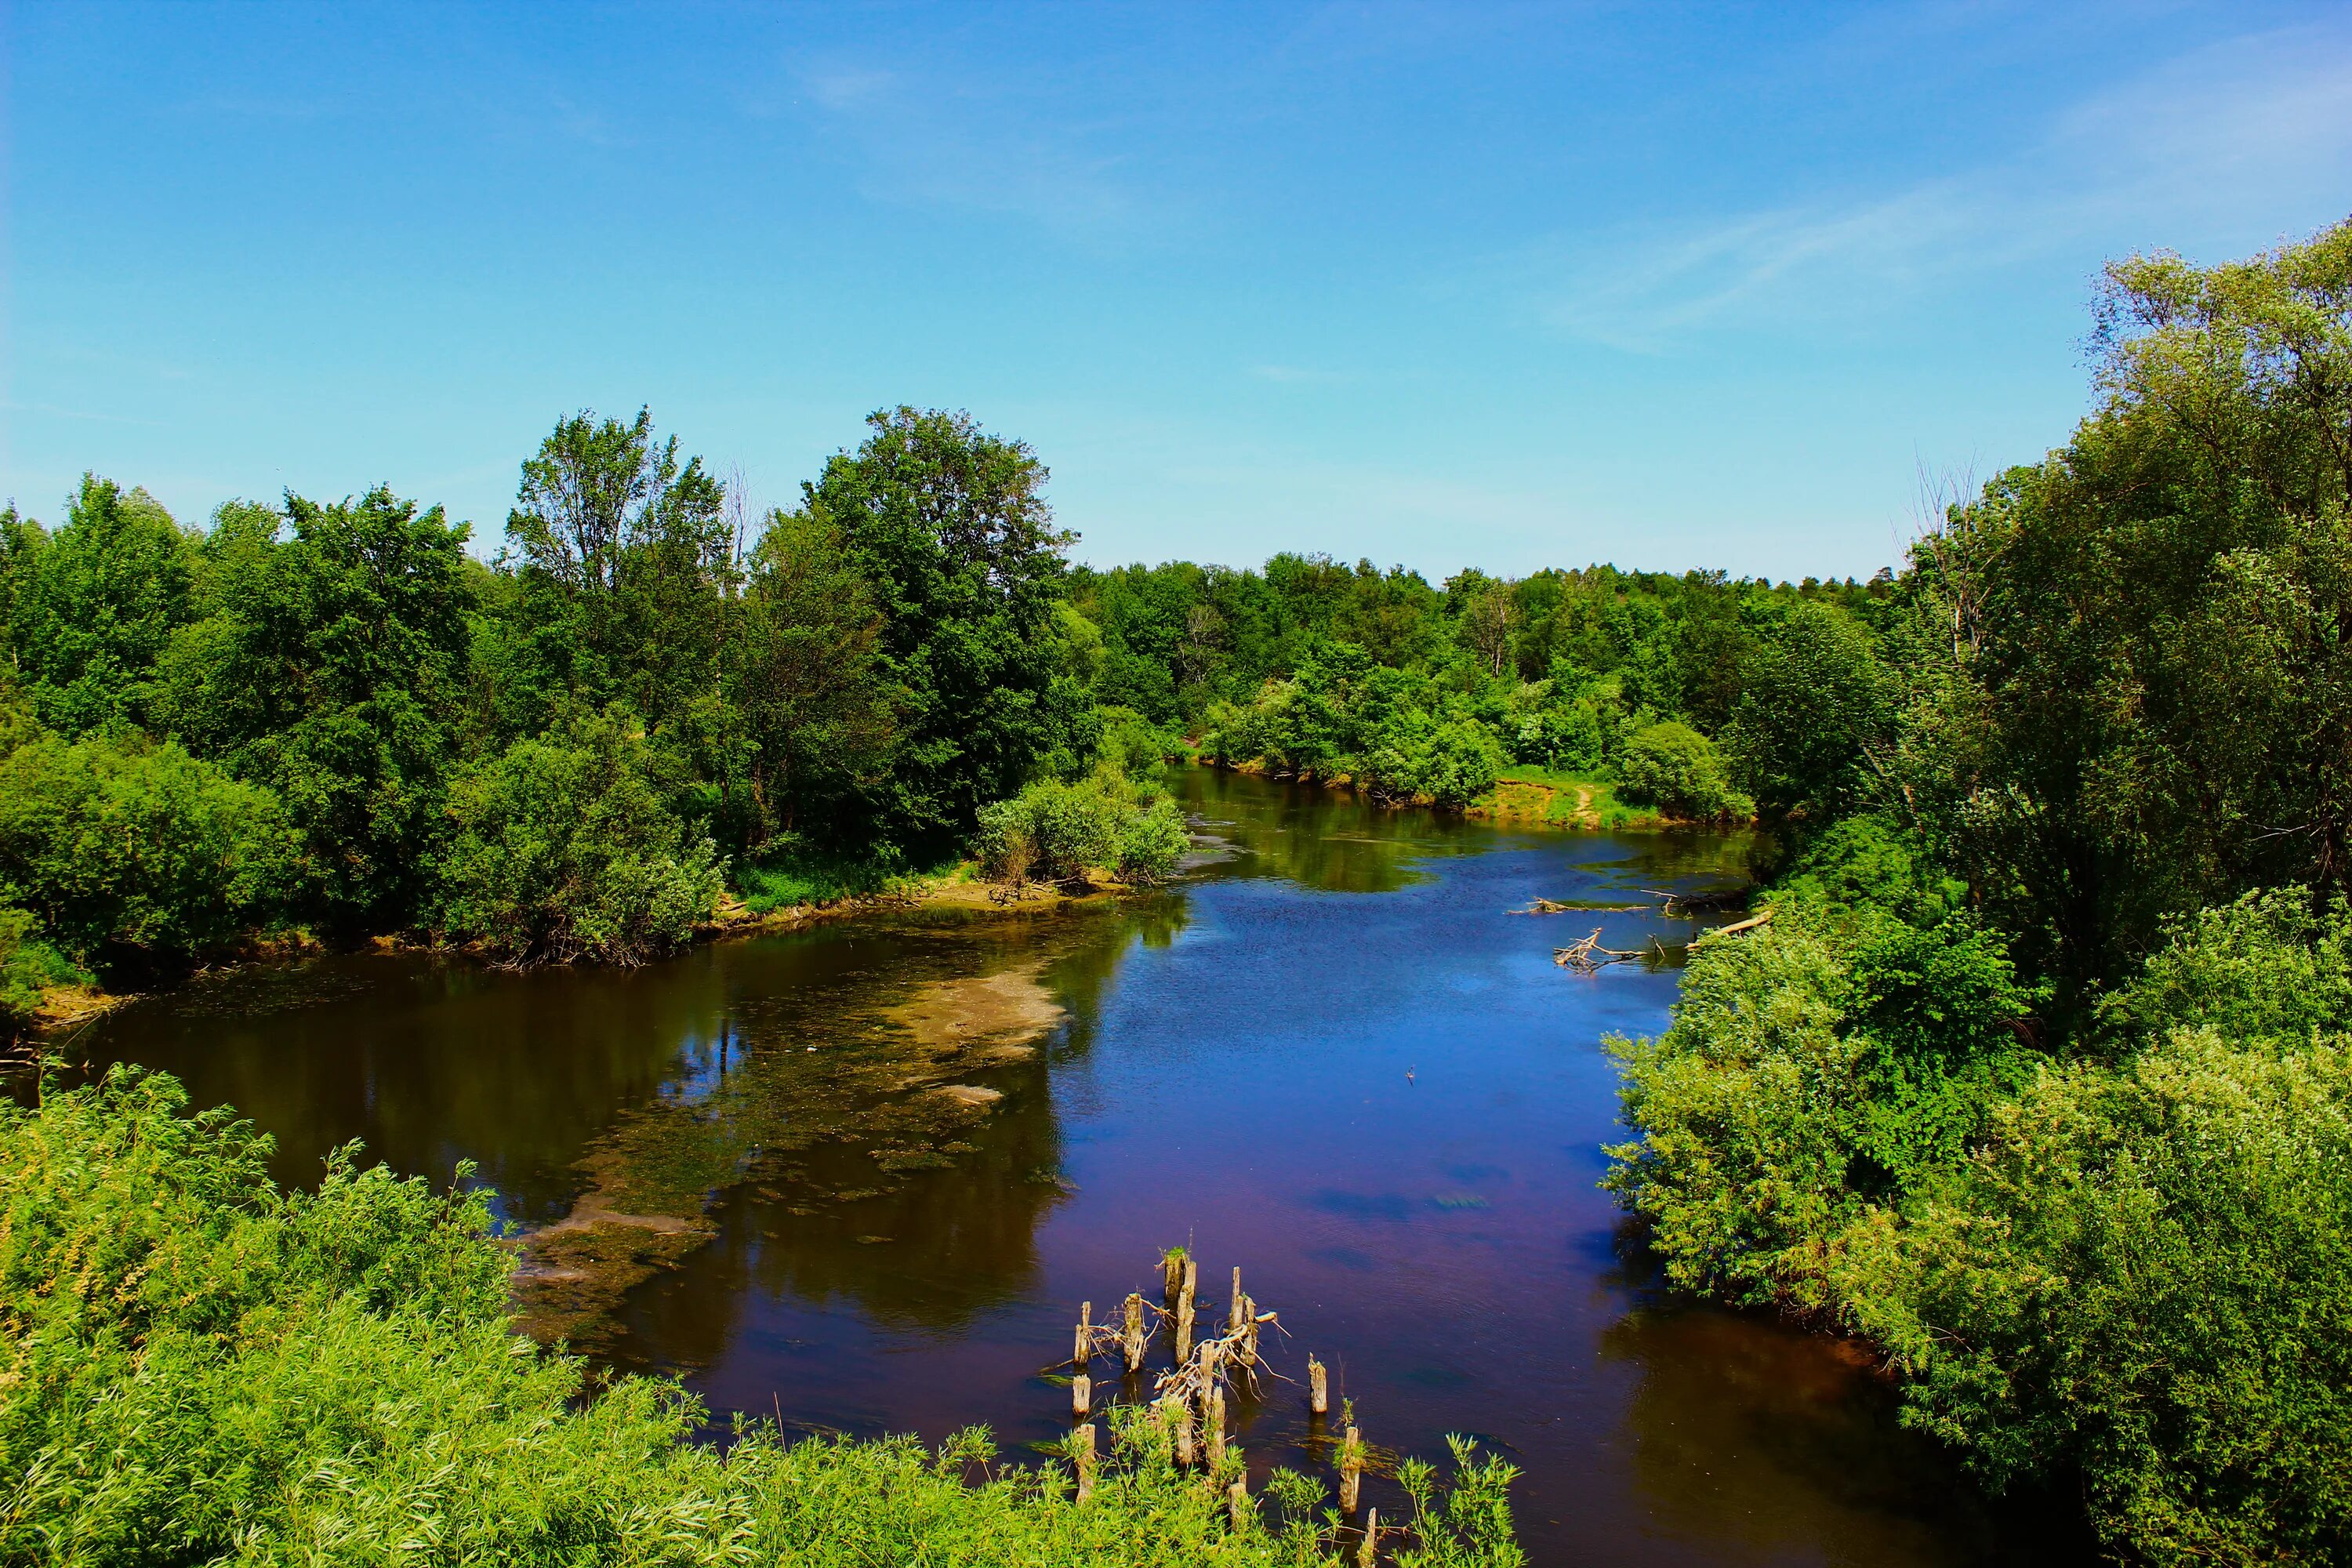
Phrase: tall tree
x=817 y=714
x=2153 y=629
x=331 y=665
x=93 y=605
x=633 y=549
x=949 y=526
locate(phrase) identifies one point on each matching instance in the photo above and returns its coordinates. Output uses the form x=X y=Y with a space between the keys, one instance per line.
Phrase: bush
x=29 y=967
x=209 y=1369
x=564 y=850
x=1675 y=768
x=2147 y=1274
x=125 y=850
x=1562 y=736
x=1152 y=841
x=1133 y=744
x=2139 y=1272
x=1056 y=832
x=1415 y=757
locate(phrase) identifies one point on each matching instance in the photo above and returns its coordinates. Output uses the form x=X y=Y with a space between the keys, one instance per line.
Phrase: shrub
x=1057 y=831
x=1415 y=757
x=564 y=850
x=124 y=849
x=1133 y=744
x=2140 y=1271
x=2147 y=1274
x=27 y=968
x=1152 y=841
x=1674 y=767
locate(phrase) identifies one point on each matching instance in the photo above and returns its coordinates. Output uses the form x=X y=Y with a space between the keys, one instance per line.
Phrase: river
x=861 y=1176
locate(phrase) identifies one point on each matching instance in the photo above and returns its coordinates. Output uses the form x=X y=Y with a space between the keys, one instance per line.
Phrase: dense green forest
x=2036 y=1079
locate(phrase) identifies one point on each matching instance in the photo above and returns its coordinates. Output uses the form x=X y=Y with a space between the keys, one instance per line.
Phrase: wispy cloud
x=948 y=139
x=2197 y=149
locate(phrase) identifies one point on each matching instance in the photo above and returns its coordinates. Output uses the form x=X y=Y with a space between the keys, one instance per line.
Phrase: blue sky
x=1509 y=285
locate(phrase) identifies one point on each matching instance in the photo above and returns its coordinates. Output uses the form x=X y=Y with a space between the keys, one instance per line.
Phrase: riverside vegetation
x=2036 y=1079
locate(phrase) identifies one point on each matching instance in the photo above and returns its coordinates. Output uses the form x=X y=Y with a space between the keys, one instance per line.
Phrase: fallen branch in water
x=1589 y=957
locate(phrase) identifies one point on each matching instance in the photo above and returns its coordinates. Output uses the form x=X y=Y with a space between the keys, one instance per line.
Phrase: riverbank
x=64 y=1006
x=1521 y=797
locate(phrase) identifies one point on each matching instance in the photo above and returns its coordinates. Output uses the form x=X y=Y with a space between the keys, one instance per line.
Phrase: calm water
x=1328 y=1056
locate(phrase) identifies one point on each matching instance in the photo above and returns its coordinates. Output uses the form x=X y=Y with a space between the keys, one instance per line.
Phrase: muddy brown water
x=862 y=1176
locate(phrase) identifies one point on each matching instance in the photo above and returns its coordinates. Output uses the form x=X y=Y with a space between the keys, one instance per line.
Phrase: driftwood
x=1589 y=957
x=1672 y=905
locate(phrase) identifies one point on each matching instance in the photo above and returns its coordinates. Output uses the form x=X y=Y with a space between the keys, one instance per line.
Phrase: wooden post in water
x=1368 y=1551
x=1082 y=1396
x=1318 y=1386
x=1185 y=1296
x=1351 y=1471
x=1211 y=1352
x=1172 y=1270
x=1184 y=1446
x=1234 y=1318
x=1134 y=1337
x=1083 y=1350
x=1086 y=1461
x=1237 y=1501
x=1216 y=1428
x=1249 y=1333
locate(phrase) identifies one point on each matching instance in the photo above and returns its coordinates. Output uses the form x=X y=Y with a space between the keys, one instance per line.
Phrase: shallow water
x=1328 y=1056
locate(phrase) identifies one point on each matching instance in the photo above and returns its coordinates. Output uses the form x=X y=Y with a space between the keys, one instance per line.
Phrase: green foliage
x=2143 y=630
x=1813 y=702
x=1674 y=767
x=28 y=967
x=628 y=552
x=208 y=1368
x=329 y=668
x=2145 y=1274
x=1448 y=763
x=562 y=849
x=121 y=848
x=1056 y=831
x=950 y=528
x=805 y=695
x=91 y=607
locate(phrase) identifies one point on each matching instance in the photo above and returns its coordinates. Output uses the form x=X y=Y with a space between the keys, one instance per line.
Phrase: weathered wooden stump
x=1133 y=1338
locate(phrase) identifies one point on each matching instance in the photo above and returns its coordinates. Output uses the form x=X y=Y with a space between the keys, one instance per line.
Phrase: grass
x=211 y=1368
x=794 y=880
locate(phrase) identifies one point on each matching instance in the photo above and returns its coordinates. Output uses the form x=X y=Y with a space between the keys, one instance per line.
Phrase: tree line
x=322 y=720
